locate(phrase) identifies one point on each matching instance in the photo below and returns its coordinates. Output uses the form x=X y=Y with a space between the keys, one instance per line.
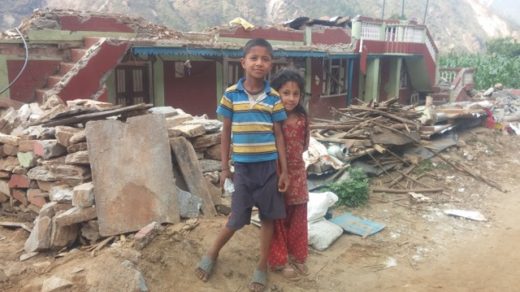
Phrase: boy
x=253 y=114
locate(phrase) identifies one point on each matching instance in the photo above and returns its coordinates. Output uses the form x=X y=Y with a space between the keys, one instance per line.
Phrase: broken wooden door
x=132 y=85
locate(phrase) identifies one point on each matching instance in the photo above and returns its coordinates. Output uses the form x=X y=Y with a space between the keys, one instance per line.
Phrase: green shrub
x=353 y=191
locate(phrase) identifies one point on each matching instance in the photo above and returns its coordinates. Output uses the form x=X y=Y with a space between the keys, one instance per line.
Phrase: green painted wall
x=158 y=82
x=418 y=73
x=372 y=79
x=52 y=35
x=391 y=88
x=220 y=80
x=111 y=87
x=4 y=79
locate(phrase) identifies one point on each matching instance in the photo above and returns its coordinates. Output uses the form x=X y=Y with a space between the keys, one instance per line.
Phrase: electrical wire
x=24 y=64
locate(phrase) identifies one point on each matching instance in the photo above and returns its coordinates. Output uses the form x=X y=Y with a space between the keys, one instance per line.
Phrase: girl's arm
x=283 y=181
x=307 y=135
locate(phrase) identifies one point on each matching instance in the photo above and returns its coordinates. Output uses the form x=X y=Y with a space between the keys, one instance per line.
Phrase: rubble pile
x=367 y=129
x=46 y=167
x=48 y=18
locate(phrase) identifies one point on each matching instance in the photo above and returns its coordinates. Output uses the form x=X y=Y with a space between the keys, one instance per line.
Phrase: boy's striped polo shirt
x=252 y=128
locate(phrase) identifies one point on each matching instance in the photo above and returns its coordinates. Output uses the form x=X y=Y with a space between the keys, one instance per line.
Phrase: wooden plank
x=92 y=116
x=190 y=168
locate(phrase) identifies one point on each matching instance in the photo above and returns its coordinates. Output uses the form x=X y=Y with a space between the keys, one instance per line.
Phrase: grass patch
x=353 y=191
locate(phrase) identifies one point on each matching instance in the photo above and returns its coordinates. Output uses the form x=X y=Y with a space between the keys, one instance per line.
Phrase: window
x=334 y=74
x=132 y=85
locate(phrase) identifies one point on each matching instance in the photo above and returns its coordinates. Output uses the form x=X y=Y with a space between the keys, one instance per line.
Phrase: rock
x=55 y=284
x=166 y=111
x=20 y=170
x=9 y=163
x=49 y=209
x=70 y=174
x=45 y=185
x=28 y=255
x=4 y=187
x=211 y=126
x=60 y=193
x=90 y=230
x=10 y=149
x=79 y=157
x=26 y=145
x=64 y=133
x=3 y=198
x=488 y=92
x=83 y=195
x=213 y=152
x=189 y=131
x=4 y=174
x=146 y=235
x=206 y=141
x=19 y=181
x=177 y=120
x=190 y=168
x=499 y=86
x=8 y=122
x=75 y=215
x=48 y=149
x=40 y=237
x=189 y=205
x=20 y=196
x=208 y=165
x=82 y=146
x=130 y=191
x=62 y=236
x=37 y=197
x=26 y=159
x=78 y=137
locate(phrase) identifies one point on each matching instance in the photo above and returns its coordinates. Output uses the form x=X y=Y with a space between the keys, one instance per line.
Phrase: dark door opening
x=132 y=85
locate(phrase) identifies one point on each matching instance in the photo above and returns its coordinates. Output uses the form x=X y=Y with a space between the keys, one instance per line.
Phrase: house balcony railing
x=393 y=33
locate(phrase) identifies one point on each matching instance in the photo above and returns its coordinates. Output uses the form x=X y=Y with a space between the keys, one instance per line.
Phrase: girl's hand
x=283 y=182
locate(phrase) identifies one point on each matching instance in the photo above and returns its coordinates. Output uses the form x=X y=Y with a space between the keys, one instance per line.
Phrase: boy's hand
x=223 y=175
x=283 y=182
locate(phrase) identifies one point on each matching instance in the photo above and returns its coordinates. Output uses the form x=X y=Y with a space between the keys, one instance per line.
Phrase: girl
x=289 y=250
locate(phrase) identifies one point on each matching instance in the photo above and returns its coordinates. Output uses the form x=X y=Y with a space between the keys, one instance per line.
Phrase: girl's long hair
x=287 y=75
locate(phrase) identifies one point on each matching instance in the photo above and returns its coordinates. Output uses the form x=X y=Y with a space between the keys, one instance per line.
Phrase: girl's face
x=290 y=94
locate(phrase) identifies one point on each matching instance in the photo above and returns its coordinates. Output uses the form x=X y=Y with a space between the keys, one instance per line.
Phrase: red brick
x=19 y=181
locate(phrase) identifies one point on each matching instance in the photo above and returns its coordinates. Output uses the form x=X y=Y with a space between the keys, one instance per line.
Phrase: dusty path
x=421 y=249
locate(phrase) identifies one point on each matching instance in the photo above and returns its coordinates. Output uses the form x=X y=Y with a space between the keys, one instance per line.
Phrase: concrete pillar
x=158 y=82
x=372 y=79
x=4 y=77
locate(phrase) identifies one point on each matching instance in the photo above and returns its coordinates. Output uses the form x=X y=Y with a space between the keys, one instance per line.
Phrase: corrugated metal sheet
x=214 y=52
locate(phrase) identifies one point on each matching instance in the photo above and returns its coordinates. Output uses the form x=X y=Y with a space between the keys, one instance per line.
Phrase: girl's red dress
x=290 y=234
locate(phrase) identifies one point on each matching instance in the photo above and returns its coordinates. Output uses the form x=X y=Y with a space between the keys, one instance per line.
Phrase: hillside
x=454 y=24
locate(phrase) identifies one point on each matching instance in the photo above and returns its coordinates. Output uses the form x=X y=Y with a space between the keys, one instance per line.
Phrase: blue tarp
x=356 y=225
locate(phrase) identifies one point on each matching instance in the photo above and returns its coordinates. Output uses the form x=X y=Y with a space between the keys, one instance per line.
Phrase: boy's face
x=257 y=63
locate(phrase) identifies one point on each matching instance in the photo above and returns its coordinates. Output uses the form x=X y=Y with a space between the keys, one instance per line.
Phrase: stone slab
x=189 y=166
x=127 y=196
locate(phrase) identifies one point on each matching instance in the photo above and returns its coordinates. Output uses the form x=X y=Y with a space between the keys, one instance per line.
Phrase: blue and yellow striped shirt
x=252 y=128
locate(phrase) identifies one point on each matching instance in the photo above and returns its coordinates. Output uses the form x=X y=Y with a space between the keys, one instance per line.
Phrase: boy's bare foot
x=204 y=268
x=259 y=281
x=287 y=271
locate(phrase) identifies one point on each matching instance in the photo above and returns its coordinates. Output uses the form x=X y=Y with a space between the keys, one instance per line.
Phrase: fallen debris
x=468 y=214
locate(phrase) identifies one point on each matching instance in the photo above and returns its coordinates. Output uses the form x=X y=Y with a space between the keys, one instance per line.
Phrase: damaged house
x=127 y=61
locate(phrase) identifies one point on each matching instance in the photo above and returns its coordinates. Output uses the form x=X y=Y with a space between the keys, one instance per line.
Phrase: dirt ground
x=420 y=249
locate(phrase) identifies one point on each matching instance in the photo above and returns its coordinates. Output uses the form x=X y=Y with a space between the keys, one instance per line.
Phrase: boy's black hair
x=287 y=75
x=259 y=42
